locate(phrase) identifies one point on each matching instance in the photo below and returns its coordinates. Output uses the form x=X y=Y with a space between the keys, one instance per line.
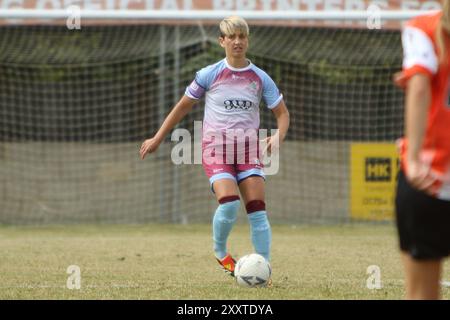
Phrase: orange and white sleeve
x=419 y=55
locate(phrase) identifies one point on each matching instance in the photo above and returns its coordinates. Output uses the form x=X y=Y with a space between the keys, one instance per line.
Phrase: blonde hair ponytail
x=443 y=31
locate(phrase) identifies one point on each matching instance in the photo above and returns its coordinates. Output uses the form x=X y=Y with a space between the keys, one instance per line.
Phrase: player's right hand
x=148 y=146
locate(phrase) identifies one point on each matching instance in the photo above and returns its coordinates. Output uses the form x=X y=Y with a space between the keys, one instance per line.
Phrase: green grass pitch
x=176 y=262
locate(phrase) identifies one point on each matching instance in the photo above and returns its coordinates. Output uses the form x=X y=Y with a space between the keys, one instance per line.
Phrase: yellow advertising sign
x=374 y=168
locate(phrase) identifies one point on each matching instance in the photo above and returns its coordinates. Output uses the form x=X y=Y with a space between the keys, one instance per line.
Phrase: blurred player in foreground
x=423 y=191
x=233 y=89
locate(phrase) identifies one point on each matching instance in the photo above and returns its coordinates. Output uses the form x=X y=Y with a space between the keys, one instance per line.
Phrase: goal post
x=193 y=15
x=75 y=106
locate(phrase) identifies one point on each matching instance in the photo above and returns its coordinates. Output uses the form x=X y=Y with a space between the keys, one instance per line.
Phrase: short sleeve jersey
x=233 y=96
x=421 y=56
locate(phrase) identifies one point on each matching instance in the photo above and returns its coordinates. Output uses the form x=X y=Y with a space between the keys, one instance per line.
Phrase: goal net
x=76 y=105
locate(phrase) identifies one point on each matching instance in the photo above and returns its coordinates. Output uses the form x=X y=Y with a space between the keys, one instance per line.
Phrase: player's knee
x=255 y=205
x=229 y=207
x=228 y=199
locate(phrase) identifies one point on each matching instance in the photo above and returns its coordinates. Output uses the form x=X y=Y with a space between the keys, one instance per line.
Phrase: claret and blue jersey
x=233 y=96
x=232 y=102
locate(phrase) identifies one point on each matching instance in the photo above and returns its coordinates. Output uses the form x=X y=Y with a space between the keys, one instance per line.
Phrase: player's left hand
x=419 y=176
x=272 y=144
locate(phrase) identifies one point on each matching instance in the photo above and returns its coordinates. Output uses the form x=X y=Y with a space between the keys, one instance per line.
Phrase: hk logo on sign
x=378 y=169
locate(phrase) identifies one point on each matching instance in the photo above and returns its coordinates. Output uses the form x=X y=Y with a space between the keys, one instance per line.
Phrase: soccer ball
x=252 y=270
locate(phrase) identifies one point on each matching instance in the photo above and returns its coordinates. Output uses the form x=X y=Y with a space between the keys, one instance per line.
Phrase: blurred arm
x=175 y=116
x=282 y=115
x=418 y=97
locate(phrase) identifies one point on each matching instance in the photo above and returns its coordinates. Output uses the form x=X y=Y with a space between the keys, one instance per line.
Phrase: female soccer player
x=233 y=88
x=423 y=191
